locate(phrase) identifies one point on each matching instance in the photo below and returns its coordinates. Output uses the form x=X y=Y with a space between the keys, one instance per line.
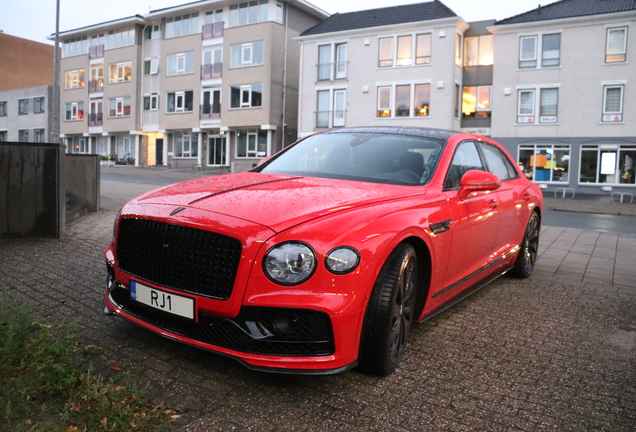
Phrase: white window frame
x=180 y=64
x=389 y=107
x=613 y=116
x=529 y=59
x=526 y=118
x=179 y=95
x=548 y=119
x=390 y=59
x=74 y=110
x=623 y=52
x=153 y=100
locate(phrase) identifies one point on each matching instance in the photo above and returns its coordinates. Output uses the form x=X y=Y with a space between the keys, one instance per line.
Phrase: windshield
x=363 y=156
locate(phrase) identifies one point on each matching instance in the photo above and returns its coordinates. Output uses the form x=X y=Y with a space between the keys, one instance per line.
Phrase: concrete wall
x=30 y=204
x=82 y=179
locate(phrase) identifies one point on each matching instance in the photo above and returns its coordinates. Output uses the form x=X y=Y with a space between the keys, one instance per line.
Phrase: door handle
x=527 y=196
x=493 y=203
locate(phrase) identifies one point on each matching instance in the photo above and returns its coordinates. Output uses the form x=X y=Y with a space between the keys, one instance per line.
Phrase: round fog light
x=342 y=260
x=285 y=323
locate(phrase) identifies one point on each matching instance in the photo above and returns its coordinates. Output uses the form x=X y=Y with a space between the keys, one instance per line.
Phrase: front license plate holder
x=164 y=301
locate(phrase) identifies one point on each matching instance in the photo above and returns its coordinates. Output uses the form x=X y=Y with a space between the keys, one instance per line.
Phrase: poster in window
x=608 y=163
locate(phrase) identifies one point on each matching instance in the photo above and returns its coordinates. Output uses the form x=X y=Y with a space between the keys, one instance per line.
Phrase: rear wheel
x=529 y=248
x=389 y=314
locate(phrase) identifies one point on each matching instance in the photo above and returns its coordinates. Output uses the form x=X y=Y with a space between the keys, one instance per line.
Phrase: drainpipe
x=283 y=126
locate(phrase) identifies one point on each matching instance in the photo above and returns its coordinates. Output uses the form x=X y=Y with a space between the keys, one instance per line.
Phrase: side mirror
x=478 y=181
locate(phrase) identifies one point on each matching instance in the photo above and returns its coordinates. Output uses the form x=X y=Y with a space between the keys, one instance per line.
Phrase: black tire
x=389 y=314
x=524 y=264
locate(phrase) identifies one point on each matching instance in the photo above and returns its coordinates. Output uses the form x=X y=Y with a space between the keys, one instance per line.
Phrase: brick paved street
x=556 y=352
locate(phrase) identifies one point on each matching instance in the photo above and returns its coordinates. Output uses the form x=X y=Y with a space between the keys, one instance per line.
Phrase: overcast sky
x=35 y=19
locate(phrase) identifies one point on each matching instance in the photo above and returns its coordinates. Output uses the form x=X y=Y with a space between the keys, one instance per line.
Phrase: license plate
x=162 y=300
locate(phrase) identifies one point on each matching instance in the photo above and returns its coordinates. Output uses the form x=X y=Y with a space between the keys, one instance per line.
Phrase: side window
x=498 y=163
x=466 y=158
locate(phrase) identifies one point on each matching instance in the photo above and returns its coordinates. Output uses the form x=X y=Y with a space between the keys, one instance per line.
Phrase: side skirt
x=477 y=286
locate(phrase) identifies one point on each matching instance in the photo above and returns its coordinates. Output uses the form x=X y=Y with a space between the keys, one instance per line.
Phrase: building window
x=38 y=135
x=3 y=108
x=152 y=32
x=23 y=135
x=613 y=103
x=246 y=54
x=95 y=113
x=458 y=49
x=403 y=100
x=528 y=52
x=74 y=79
x=550 y=50
x=331 y=108
x=545 y=162
x=423 y=49
x=151 y=66
x=121 y=38
x=181 y=63
x=125 y=148
x=186 y=144
x=212 y=66
x=96 y=83
x=80 y=145
x=456 y=101
x=385 y=58
x=23 y=106
x=279 y=12
x=405 y=50
x=120 y=72
x=476 y=102
x=119 y=107
x=75 y=46
x=74 y=111
x=608 y=164
x=103 y=147
x=249 y=13
x=38 y=105
x=421 y=100
x=548 y=105
x=251 y=143
x=525 y=110
x=3 y=136
x=182 y=25
x=384 y=102
x=616 y=46
x=479 y=50
x=330 y=68
x=151 y=102
x=181 y=101
x=246 y=96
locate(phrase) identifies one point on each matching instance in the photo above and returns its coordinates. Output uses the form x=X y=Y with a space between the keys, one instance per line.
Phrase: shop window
x=545 y=162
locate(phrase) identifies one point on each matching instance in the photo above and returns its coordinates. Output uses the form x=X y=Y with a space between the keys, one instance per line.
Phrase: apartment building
x=209 y=83
x=25 y=114
x=564 y=94
x=26 y=89
x=398 y=65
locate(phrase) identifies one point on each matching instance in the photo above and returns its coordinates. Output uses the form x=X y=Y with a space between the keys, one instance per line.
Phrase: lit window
x=476 y=102
x=74 y=79
x=478 y=50
x=422 y=99
x=120 y=72
x=384 y=101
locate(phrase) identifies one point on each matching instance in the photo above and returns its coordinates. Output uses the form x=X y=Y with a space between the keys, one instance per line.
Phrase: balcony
x=212 y=30
x=96 y=51
x=96 y=86
x=95 y=119
x=211 y=70
x=210 y=111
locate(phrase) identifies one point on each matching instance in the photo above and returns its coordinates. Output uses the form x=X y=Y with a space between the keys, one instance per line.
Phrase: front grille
x=254 y=330
x=182 y=258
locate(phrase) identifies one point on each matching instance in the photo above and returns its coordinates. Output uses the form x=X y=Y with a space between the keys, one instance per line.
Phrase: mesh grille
x=312 y=335
x=182 y=258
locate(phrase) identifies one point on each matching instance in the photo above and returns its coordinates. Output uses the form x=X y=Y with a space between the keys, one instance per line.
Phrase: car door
x=510 y=196
x=473 y=226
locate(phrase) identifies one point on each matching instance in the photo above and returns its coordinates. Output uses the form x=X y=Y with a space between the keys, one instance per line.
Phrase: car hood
x=275 y=201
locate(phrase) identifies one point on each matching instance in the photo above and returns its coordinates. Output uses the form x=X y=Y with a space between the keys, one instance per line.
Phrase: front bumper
x=274 y=339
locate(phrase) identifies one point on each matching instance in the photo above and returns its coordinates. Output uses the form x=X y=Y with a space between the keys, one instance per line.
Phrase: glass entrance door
x=217 y=151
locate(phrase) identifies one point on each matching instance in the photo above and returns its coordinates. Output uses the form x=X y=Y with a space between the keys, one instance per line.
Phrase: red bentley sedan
x=319 y=259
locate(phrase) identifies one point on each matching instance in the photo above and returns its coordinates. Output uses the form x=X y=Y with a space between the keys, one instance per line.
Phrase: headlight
x=290 y=263
x=342 y=260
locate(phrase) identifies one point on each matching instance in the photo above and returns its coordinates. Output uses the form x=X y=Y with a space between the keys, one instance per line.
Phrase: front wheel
x=529 y=248
x=389 y=314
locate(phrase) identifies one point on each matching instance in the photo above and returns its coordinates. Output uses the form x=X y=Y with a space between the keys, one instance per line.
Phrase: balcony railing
x=211 y=70
x=96 y=86
x=95 y=119
x=212 y=30
x=210 y=111
x=332 y=71
x=96 y=51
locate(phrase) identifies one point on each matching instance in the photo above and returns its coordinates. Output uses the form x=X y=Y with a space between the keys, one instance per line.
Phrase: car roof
x=434 y=133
